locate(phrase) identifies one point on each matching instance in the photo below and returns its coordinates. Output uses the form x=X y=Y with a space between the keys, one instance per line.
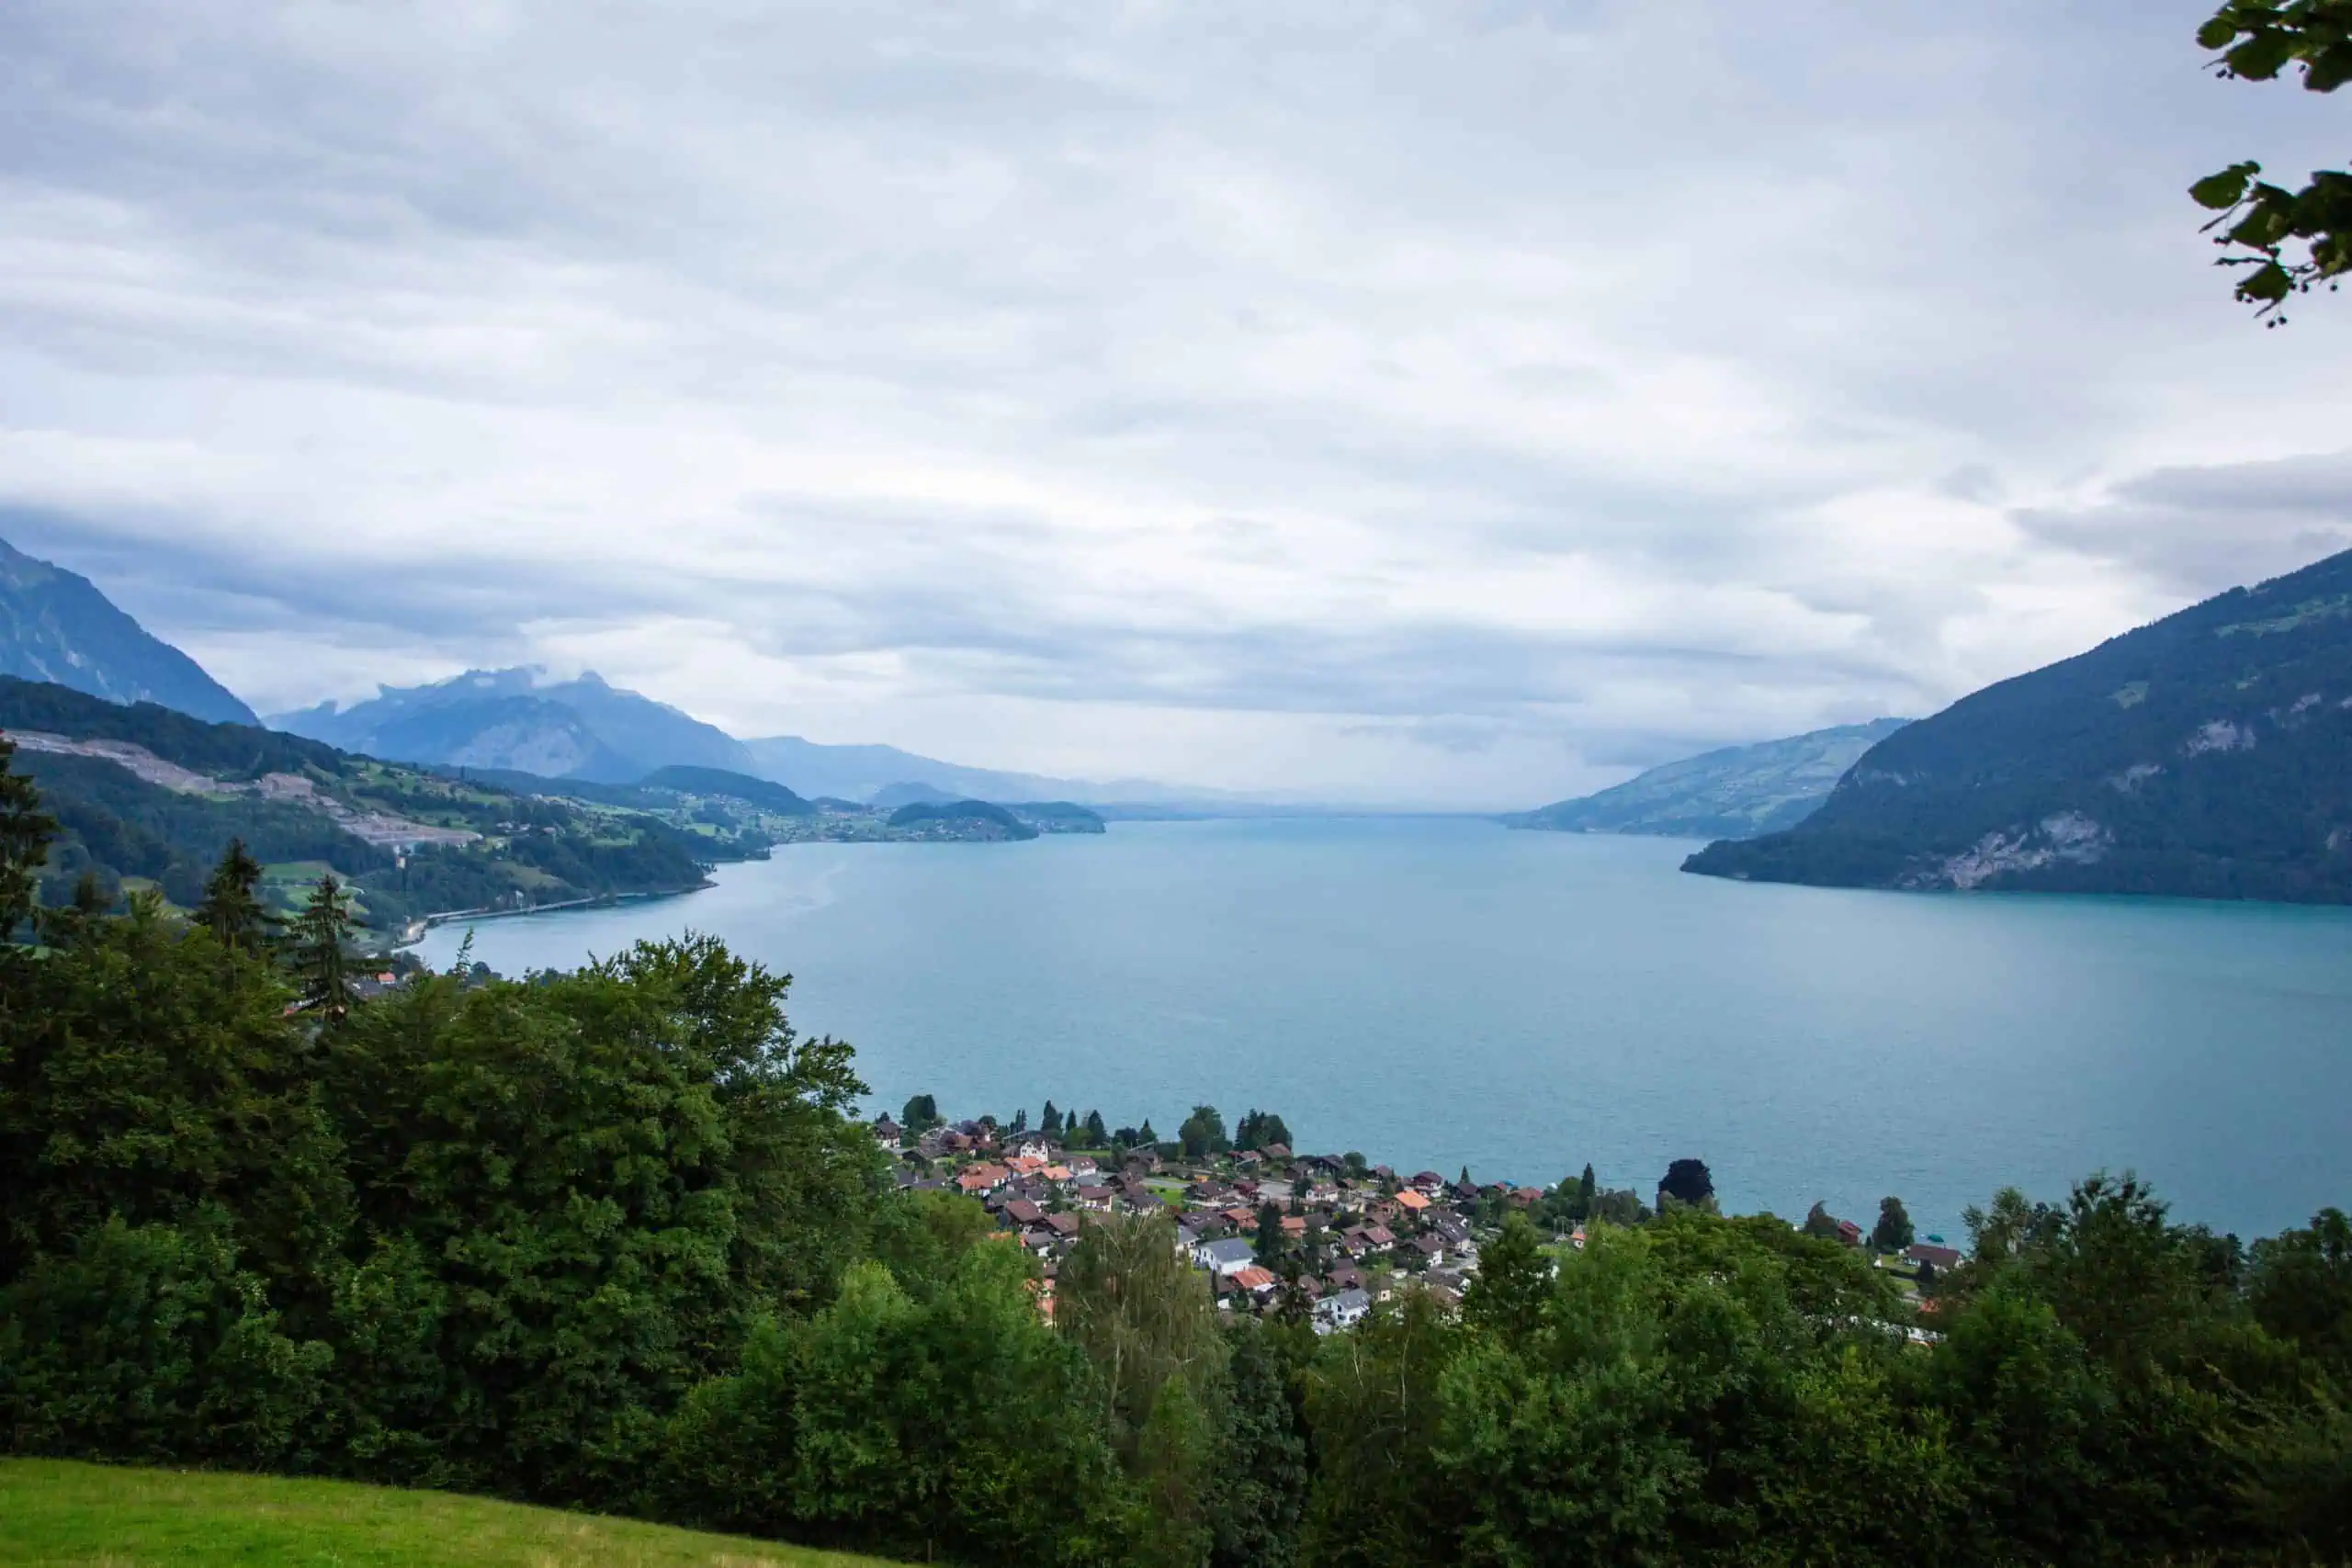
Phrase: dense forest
x=612 y=1239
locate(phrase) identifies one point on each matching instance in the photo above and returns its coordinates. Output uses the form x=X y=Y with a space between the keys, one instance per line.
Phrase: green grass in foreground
x=102 y=1517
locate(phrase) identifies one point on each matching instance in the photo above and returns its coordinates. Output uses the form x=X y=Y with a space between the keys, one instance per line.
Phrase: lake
x=1442 y=992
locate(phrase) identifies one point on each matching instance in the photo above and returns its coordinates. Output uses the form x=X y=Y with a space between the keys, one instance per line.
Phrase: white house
x=1342 y=1309
x=1228 y=1257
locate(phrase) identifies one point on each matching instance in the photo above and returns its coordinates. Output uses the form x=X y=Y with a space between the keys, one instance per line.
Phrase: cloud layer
x=1412 y=401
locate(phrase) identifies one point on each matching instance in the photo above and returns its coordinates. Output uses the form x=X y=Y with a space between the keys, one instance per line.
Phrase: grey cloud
x=2196 y=531
x=1138 y=355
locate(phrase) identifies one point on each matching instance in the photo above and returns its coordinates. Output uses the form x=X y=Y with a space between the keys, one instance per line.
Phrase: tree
x=1892 y=1233
x=1019 y=1120
x=1588 y=1186
x=1686 y=1181
x=1270 y=1241
x=1049 y=1121
x=321 y=934
x=25 y=831
x=1818 y=1222
x=232 y=908
x=1203 y=1134
x=1506 y=1297
x=1096 y=1138
x=921 y=1113
x=2255 y=41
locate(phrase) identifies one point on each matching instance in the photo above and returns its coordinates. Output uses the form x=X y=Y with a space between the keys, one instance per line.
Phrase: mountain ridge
x=2206 y=754
x=57 y=625
x=515 y=719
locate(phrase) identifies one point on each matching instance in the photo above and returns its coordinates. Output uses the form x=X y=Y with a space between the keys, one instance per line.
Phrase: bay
x=1439 y=992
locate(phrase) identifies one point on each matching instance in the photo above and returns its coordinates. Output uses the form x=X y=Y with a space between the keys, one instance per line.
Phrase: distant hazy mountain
x=1736 y=793
x=864 y=773
x=2208 y=755
x=56 y=625
x=514 y=720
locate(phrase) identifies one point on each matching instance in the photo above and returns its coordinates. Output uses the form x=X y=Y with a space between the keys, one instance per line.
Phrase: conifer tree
x=25 y=830
x=232 y=908
x=321 y=933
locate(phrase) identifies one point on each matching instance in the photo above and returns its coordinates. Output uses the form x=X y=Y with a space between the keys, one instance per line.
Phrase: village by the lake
x=1323 y=1236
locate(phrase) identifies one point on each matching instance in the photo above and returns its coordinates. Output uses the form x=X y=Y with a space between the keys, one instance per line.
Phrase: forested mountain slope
x=1734 y=793
x=56 y=625
x=2207 y=755
x=145 y=795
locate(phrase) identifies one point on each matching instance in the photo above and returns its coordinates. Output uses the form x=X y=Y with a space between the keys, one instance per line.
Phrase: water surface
x=1441 y=993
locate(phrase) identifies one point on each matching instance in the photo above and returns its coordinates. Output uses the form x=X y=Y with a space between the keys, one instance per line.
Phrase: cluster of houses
x=1337 y=1235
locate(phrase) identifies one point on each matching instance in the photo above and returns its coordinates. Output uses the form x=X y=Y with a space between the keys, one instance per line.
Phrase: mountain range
x=1736 y=793
x=56 y=625
x=517 y=720
x=2206 y=755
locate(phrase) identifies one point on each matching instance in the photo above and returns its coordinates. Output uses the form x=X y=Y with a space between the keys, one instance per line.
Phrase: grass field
x=88 y=1515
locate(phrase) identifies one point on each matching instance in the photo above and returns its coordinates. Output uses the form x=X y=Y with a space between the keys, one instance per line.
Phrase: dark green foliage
x=150 y=1343
x=1202 y=1133
x=322 y=950
x=24 y=832
x=2255 y=41
x=1257 y=1491
x=1892 y=1233
x=1097 y=1135
x=232 y=908
x=1257 y=1128
x=2208 y=755
x=1686 y=1181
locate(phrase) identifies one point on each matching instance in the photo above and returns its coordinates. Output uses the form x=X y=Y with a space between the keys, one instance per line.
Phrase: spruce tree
x=232 y=908
x=25 y=830
x=321 y=933
x=1097 y=1135
x=1050 y=1121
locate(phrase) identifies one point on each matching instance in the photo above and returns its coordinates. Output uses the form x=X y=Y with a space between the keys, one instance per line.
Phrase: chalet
x=887 y=1132
x=1227 y=1258
x=1065 y=1227
x=1090 y=1195
x=1428 y=1182
x=982 y=1178
x=1259 y=1282
x=1022 y=1213
x=1940 y=1257
x=1278 y=1153
x=1430 y=1248
x=1344 y=1309
x=1031 y=1145
x=1412 y=1203
x=1849 y=1233
x=1295 y=1227
x=1083 y=1166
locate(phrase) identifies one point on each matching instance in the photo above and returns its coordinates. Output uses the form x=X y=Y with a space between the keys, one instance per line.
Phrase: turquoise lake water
x=1437 y=993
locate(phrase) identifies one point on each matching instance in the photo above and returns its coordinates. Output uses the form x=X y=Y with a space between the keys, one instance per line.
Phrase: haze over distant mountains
x=517 y=720
x=56 y=625
x=1734 y=793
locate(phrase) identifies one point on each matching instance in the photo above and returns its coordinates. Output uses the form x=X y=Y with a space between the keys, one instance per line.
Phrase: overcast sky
x=1464 y=401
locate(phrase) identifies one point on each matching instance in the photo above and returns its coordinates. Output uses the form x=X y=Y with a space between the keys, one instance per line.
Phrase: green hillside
x=2207 y=755
x=146 y=796
x=59 y=1515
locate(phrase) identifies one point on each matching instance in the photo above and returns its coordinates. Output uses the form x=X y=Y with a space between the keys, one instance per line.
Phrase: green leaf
x=2261 y=57
x=2223 y=191
x=2268 y=283
x=2216 y=33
